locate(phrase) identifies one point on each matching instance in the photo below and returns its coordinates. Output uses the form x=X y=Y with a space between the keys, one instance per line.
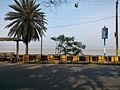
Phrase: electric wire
x=82 y=23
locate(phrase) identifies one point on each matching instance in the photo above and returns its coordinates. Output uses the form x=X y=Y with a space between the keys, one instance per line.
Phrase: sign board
x=104 y=33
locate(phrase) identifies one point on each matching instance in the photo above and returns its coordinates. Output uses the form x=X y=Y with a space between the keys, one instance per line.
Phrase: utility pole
x=41 y=40
x=41 y=45
x=116 y=33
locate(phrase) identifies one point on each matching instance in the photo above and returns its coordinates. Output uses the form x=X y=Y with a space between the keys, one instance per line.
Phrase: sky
x=85 y=23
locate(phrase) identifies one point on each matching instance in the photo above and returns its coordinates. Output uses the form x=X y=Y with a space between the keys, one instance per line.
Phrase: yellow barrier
x=88 y=58
x=56 y=59
x=63 y=58
x=82 y=59
x=21 y=57
x=50 y=58
x=100 y=59
x=75 y=59
x=111 y=59
x=9 y=56
x=94 y=59
x=44 y=58
x=114 y=59
x=32 y=57
x=25 y=58
x=69 y=58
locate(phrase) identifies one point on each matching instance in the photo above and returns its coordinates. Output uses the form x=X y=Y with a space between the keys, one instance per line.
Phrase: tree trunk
x=26 y=52
x=17 y=50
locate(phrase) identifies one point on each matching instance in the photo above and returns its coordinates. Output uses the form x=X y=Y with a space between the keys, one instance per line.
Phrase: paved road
x=59 y=77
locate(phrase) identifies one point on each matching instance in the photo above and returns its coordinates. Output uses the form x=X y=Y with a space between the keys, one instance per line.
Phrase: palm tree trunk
x=17 y=50
x=26 y=52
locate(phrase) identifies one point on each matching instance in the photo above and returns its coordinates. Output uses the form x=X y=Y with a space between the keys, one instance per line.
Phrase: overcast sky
x=84 y=23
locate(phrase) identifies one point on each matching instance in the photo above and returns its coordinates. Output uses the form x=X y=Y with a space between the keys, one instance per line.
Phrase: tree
x=49 y=3
x=68 y=45
x=27 y=21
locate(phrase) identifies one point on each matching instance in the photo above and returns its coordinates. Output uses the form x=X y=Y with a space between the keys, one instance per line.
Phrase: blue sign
x=104 y=33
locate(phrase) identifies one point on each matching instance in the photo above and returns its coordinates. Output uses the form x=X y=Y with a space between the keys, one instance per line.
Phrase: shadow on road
x=59 y=77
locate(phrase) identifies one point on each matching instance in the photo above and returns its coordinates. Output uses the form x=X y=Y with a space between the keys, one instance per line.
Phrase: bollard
x=21 y=57
x=50 y=58
x=106 y=60
x=63 y=59
x=44 y=59
x=32 y=57
x=88 y=58
x=69 y=58
x=38 y=57
x=94 y=59
x=75 y=59
x=82 y=59
x=56 y=59
x=100 y=59
x=25 y=58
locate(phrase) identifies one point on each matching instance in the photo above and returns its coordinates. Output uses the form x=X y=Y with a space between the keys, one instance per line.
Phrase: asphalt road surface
x=59 y=77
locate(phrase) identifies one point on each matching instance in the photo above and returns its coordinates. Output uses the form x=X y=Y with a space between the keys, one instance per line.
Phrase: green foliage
x=67 y=45
x=56 y=3
x=27 y=21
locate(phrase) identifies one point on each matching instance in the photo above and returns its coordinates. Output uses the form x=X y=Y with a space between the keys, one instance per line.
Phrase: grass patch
x=30 y=62
x=69 y=63
x=44 y=62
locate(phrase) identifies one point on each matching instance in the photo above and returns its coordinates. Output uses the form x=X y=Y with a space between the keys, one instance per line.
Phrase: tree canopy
x=67 y=45
x=27 y=21
x=49 y=3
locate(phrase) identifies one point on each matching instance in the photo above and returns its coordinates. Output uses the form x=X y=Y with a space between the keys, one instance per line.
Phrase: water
x=99 y=52
x=34 y=48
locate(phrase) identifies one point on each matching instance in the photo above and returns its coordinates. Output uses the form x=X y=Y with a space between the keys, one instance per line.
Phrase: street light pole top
x=117 y=1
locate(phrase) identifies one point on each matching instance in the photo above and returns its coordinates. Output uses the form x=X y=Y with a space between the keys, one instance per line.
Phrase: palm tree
x=28 y=22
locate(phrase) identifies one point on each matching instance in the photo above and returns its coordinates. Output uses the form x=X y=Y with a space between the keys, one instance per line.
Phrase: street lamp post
x=41 y=45
x=116 y=33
